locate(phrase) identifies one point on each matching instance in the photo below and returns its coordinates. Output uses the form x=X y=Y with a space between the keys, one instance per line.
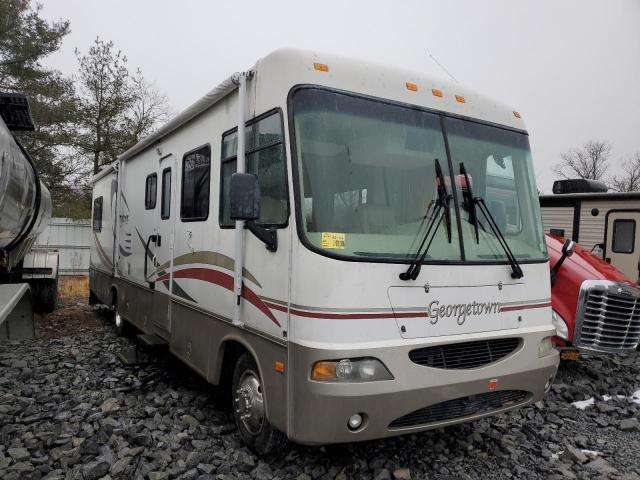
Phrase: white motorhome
x=365 y=259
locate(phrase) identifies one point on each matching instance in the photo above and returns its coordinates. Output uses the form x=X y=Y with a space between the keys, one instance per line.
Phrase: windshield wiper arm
x=516 y=271
x=441 y=211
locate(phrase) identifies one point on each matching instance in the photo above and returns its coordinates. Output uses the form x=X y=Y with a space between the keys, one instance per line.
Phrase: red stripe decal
x=524 y=307
x=345 y=316
x=225 y=281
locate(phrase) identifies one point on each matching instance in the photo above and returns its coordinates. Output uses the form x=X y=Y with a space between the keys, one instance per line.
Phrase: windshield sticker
x=333 y=240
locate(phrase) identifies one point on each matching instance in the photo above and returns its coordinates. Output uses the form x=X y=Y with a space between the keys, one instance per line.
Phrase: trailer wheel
x=248 y=408
x=45 y=295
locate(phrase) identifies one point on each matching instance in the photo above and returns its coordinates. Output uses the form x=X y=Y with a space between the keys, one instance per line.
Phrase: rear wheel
x=45 y=295
x=249 y=408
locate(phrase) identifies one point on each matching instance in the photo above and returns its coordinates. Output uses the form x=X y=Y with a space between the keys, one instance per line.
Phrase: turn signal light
x=436 y=92
x=460 y=99
x=516 y=114
x=279 y=367
x=321 y=67
x=412 y=87
x=324 y=371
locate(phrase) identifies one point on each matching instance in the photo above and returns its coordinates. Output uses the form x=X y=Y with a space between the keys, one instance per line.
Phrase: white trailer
x=25 y=208
x=603 y=222
x=364 y=259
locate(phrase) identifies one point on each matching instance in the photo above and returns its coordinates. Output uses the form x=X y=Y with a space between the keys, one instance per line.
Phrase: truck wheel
x=249 y=411
x=45 y=295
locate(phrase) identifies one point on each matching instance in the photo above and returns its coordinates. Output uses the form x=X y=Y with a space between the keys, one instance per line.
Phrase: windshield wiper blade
x=516 y=271
x=441 y=211
x=468 y=202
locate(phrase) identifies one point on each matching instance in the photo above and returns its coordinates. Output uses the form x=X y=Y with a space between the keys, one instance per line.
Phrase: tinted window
x=97 y=214
x=196 y=170
x=264 y=158
x=624 y=236
x=165 y=201
x=151 y=191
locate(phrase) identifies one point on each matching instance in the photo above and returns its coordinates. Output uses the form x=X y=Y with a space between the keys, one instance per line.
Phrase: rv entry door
x=165 y=223
x=622 y=242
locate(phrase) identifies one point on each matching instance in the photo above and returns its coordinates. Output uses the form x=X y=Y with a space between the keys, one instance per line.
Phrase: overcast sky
x=571 y=67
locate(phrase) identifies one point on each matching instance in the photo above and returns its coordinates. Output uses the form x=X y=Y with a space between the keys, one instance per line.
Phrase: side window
x=97 y=214
x=624 y=236
x=265 y=159
x=151 y=191
x=165 y=199
x=196 y=172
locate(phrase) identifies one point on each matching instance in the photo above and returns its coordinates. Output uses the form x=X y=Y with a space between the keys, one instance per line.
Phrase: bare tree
x=116 y=109
x=629 y=181
x=590 y=161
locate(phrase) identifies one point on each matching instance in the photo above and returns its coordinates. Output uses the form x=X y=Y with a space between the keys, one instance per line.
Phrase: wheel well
x=230 y=351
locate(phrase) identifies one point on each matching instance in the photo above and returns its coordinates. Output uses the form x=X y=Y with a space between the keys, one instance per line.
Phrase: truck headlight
x=350 y=370
x=546 y=347
x=561 y=326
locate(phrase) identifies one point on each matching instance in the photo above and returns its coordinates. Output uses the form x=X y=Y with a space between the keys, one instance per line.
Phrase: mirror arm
x=556 y=267
x=266 y=235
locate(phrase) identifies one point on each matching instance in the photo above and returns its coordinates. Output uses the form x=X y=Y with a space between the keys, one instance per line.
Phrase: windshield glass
x=499 y=167
x=368 y=187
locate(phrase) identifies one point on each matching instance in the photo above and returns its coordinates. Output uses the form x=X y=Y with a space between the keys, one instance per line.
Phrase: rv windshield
x=368 y=186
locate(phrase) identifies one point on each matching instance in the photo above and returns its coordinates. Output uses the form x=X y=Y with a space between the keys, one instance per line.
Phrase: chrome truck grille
x=463 y=355
x=608 y=317
x=479 y=404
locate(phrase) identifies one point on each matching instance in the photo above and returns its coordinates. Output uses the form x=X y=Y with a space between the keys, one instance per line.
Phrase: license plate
x=570 y=356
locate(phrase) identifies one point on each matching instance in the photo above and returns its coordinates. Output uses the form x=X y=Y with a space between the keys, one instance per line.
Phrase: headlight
x=561 y=326
x=350 y=370
x=546 y=347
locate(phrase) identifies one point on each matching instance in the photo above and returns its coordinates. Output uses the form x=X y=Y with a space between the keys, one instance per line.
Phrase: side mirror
x=568 y=247
x=245 y=197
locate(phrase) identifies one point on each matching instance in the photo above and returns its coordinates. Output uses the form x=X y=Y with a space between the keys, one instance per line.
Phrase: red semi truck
x=596 y=308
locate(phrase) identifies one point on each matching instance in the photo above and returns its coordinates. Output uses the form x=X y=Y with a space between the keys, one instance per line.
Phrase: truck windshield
x=367 y=183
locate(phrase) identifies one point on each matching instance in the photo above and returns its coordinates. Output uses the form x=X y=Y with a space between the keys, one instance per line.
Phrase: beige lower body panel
x=200 y=338
x=320 y=410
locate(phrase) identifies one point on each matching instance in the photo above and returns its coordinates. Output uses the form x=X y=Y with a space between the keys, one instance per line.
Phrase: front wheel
x=249 y=410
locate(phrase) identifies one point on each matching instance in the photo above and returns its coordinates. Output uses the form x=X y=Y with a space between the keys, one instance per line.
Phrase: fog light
x=355 y=421
x=546 y=347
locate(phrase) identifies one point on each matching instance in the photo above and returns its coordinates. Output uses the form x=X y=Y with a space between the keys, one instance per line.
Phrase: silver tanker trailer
x=28 y=279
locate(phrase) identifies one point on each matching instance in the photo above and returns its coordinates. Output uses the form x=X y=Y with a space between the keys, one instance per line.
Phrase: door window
x=624 y=236
x=165 y=201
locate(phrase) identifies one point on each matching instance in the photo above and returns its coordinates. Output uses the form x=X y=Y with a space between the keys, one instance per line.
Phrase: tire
x=45 y=295
x=248 y=408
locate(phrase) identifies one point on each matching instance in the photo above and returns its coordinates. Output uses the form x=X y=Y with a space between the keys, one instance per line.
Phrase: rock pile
x=70 y=410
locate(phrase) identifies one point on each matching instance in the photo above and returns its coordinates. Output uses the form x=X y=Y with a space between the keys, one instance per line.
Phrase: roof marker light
x=460 y=99
x=436 y=92
x=516 y=114
x=321 y=67
x=412 y=87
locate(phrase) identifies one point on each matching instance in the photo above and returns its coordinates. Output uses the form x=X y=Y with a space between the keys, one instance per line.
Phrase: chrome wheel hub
x=248 y=402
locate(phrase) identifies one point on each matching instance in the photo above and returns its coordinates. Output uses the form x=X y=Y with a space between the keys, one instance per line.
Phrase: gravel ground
x=70 y=410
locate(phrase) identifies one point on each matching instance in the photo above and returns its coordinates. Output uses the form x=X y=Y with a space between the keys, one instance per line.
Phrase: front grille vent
x=608 y=319
x=458 y=356
x=479 y=404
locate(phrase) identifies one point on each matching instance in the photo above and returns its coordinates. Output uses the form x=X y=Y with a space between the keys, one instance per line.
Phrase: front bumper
x=319 y=411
